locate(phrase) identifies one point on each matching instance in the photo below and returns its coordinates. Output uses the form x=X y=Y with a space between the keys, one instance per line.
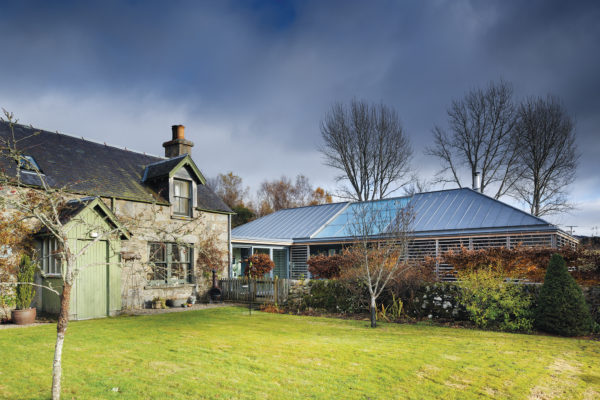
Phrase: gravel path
x=9 y=326
x=150 y=311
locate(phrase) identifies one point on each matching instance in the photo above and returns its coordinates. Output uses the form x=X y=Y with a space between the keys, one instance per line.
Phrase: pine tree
x=561 y=306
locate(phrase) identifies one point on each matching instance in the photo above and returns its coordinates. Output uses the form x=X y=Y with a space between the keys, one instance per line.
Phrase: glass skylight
x=379 y=212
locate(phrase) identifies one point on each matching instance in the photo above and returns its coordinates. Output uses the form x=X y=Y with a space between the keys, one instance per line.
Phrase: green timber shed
x=94 y=231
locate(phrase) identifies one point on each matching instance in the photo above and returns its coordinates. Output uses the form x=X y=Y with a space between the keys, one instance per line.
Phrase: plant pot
x=175 y=303
x=24 y=317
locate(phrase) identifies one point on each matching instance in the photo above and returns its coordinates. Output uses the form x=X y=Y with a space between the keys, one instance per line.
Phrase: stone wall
x=298 y=290
x=437 y=301
x=154 y=223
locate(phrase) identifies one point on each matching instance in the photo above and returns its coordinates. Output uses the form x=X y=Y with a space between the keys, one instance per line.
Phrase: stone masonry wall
x=153 y=223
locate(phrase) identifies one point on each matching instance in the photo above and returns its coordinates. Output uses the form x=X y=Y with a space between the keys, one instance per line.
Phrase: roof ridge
x=82 y=199
x=511 y=206
x=166 y=160
x=87 y=140
x=314 y=205
x=373 y=201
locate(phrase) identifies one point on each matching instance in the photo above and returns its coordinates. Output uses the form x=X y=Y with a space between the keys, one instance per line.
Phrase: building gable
x=95 y=169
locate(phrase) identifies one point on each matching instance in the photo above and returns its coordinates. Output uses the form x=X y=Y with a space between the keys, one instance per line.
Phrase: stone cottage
x=167 y=198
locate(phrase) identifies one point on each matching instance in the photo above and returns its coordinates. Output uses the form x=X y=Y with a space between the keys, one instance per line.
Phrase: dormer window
x=182 y=197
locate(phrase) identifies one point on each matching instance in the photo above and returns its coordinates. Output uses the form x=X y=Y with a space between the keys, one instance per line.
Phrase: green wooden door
x=92 y=280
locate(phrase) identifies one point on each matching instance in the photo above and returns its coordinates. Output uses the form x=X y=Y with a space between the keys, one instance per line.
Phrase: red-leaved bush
x=331 y=267
x=525 y=262
x=258 y=265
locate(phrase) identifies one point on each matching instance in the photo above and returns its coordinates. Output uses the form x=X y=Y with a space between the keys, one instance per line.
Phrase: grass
x=225 y=353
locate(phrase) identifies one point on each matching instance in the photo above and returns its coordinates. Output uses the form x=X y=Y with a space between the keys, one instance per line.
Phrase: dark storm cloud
x=256 y=77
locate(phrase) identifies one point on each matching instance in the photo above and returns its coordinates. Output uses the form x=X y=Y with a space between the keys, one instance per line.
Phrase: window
x=28 y=163
x=49 y=257
x=170 y=263
x=182 y=197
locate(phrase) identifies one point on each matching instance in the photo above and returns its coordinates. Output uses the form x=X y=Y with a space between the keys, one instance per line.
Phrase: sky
x=252 y=80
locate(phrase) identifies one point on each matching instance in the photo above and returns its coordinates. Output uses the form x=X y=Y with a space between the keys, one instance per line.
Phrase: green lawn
x=225 y=353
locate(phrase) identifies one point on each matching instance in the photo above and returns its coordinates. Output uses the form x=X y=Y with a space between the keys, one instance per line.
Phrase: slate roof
x=444 y=212
x=74 y=207
x=161 y=168
x=91 y=168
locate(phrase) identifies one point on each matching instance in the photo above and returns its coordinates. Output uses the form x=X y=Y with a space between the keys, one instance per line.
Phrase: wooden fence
x=268 y=290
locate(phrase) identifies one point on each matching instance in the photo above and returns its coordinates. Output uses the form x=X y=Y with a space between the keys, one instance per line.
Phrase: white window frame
x=175 y=199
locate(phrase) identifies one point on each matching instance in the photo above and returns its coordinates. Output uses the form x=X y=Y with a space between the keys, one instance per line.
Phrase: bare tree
x=479 y=139
x=547 y=155
x=283 y=193
x=417 y=185
x=230 y=188
x=369 y=147
x=34 y=204
x=381 y=234
x=45 y=209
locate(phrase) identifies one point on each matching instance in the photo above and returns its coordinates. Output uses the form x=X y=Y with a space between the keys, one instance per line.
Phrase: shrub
x=211 y=255
x=330 y=267
x=524 y=262
x=25 y=274
x=405 y=285
x=336 y=297
x=493 y=303
x=258 y=265
x=271 y=308
x=561 y=307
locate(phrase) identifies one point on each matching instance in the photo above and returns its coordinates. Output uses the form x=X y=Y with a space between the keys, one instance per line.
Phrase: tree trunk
x=373 y=313
x=61 y=328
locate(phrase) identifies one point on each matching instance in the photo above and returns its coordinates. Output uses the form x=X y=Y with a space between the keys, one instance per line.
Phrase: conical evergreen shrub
x=561 y=307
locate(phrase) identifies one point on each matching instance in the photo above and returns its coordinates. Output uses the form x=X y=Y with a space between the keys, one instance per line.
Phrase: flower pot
x=24 y=317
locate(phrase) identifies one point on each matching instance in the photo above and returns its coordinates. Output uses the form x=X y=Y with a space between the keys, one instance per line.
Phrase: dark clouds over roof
x=260 y=75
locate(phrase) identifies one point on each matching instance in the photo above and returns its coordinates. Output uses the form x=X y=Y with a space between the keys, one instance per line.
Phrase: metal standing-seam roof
x=459 y=209
x=288 y=224
x=440 y=212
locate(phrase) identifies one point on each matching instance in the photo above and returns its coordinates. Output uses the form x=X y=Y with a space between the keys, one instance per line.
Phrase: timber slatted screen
x=256 y=290
x=562 y=241
x=298 y=266
x=418 y=249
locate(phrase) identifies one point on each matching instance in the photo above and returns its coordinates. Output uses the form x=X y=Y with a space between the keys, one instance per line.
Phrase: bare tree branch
x=547 y=155
x=367 y=144
x=479 y=140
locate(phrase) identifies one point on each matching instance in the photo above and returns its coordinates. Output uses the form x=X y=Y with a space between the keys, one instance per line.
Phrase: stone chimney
x=178 y=145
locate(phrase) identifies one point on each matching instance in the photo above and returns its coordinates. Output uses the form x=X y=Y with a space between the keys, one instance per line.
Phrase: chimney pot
x=477 y=181
x=178 y=131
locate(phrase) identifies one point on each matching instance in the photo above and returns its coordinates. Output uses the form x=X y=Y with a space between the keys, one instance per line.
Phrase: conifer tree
x=561 y=306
